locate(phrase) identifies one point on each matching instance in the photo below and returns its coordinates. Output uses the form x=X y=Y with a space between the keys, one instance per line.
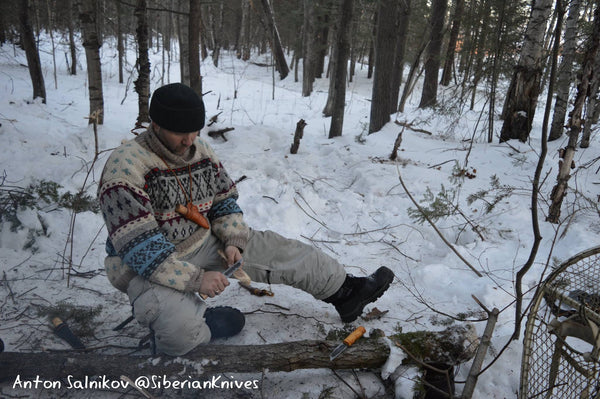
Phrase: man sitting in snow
x=161 y=259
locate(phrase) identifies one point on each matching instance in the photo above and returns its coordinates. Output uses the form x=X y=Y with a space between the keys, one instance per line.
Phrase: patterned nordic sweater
x=138 y=195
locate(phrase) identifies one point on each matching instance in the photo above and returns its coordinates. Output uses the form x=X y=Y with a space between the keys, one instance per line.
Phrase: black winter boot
x=357 y=292
x=224 y=321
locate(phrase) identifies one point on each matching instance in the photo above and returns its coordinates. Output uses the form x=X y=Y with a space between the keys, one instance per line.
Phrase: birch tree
x=91 y=42
x=521 y=99
x=575 y=121
x=565 y=74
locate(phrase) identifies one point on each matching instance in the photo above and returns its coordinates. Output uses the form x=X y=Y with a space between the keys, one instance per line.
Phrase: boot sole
x=389 y=277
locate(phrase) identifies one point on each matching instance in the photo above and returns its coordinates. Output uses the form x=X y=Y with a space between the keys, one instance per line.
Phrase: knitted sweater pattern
x=138 y=194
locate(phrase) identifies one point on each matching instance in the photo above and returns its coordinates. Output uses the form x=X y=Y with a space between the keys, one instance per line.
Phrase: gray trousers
x=177 y=317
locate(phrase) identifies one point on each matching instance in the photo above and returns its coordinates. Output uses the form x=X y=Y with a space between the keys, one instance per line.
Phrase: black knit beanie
x=178 y=108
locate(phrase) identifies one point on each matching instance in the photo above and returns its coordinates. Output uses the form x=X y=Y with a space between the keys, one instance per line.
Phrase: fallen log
x=451 y=347
x=287 y=356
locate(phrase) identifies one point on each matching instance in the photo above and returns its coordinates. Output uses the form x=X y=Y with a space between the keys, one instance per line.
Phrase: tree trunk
x=565 y=73
x=398 y=68
x=432 y=55
x=308 y=53
x=273 y=34
x=385 y=45
x=568 y=153
x=337 y=86
x=217 y=32
x=452 y=346
x=521 y=99
x=371 y=61
x=321 y=34
x=184 y=42
x=244 y=42
x=411 y=76
x=91 y=43
x=120 y=48
x=33 y=58
x=481 y=50
x=142 y=83
x=592 y=108
x=72 y=47
x=498 y=51
x=459 y=6
x=195 y=19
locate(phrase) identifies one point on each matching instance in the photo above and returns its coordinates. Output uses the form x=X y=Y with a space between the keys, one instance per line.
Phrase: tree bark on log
x=457 y=344
x=287 y=356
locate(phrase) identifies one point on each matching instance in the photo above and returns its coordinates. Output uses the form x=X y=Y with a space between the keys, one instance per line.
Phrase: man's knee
x=176 y=318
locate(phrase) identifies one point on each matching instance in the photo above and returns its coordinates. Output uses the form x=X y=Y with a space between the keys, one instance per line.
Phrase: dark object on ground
x=224 y=321
x=62 y=330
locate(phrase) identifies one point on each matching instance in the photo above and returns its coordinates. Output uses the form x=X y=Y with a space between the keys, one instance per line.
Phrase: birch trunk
x=522 y=96
x=565 y=73
x=568 y=153
x=91 y=43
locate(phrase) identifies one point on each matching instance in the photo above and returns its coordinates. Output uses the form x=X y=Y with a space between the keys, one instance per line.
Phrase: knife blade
x=347 y=342
x=233 y=268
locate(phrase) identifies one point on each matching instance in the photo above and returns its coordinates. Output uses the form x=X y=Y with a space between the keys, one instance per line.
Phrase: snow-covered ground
x=342 y=195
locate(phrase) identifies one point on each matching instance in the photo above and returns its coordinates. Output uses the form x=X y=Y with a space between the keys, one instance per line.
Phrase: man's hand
x=232 y=254
x=213 y=283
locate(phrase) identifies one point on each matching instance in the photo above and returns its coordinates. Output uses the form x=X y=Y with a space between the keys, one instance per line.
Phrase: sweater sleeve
x=225 y=215
x=135 y=237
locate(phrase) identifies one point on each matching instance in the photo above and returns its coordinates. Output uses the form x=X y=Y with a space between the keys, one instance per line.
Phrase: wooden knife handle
x=356 y=334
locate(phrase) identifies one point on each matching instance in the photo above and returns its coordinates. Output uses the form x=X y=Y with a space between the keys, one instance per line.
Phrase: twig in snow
x=348 y=385
x=10 y=292
x=466 y=262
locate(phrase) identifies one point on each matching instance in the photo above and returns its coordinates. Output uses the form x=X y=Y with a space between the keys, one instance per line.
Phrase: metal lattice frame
x=564 y=366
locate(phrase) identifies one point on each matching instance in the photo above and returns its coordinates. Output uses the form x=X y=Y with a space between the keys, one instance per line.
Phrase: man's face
x=177 y=143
